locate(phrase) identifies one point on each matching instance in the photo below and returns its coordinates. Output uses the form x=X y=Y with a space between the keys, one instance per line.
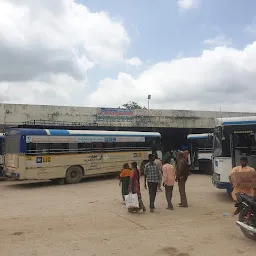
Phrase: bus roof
x=229 y=121
x=55 y=132
x=199 y=136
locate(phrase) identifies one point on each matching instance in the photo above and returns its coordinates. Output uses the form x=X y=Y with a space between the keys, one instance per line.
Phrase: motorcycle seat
x=250 y=200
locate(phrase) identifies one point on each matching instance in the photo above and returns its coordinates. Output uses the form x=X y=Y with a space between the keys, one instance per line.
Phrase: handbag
x=131 y=201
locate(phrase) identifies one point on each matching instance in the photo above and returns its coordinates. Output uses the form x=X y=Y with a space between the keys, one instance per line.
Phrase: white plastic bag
x=131 y=201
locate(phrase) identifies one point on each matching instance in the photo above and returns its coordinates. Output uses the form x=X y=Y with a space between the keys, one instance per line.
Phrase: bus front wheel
x=74 y=174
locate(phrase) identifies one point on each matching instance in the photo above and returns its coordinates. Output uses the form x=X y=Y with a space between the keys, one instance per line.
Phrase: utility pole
x=149 y=98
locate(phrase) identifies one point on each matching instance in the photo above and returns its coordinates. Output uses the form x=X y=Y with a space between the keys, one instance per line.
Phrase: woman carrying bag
x=134 y=187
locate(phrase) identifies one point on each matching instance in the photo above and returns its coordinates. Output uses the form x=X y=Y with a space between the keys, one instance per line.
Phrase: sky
x=187 y=54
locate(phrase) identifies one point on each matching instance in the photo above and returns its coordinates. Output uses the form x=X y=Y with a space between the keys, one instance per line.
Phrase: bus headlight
x=216 y=176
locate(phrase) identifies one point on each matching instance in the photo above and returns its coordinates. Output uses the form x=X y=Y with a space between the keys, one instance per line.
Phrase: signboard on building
x=115 y=115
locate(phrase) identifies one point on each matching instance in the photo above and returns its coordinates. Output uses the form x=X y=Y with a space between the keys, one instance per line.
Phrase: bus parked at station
x=200 y=152
x=232 y=138
x=49 y=154
x=1 y=153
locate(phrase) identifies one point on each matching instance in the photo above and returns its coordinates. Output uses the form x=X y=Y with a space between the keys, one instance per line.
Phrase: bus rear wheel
x=74 y=174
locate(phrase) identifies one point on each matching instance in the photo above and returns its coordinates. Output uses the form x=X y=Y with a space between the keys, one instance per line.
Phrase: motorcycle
x=246 y=208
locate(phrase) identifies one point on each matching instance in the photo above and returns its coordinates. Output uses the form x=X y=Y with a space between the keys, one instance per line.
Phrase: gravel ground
x=89 y=219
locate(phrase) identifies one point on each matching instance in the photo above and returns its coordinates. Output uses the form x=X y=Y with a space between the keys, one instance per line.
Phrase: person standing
x=242 y=168
x=173 y=163
x=186 y=156
x=168 y=182
x=182 y=173
x=159 y=165
x=124 y=178
x=134 y=186
x=167 y=156
x=152 y=175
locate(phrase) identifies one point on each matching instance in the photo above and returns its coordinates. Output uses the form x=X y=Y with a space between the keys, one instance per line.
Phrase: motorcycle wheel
x=243 y=218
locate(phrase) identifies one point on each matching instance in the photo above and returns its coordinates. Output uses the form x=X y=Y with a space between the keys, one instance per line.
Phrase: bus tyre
x=74 y=174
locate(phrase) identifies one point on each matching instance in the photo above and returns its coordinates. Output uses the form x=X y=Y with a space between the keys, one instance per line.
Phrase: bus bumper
x=222 y=185
x=11 y=174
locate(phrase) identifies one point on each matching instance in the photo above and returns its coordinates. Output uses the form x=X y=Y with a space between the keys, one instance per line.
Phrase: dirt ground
x=88 y=219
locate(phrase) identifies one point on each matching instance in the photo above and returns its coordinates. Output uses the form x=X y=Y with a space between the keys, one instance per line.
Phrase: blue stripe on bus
x=55 y=132
x=23 y=145
x=239 y=122
x=59 y=132
x=25 y=132
x=198 y=137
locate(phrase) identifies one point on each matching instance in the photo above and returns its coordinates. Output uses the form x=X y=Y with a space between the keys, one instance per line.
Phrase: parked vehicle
x=246 y=208
x=200 y=152
x=232 y=138
x=49 y=154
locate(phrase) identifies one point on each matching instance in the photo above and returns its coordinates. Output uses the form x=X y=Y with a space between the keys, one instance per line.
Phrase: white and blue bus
x=1 y=153
x=49 y=154
x=232 y=138
x=200 y=152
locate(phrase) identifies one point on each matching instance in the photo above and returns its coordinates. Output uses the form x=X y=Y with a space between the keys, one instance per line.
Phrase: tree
x=132 y=105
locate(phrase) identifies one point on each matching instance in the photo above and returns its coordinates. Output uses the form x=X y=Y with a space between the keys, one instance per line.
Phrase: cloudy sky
x=188 y=54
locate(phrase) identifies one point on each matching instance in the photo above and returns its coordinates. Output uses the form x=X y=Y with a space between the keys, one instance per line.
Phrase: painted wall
x=19 y=113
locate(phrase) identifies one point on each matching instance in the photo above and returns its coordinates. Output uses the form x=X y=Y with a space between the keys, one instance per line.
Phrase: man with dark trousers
x=153 y=176
x=182 y=174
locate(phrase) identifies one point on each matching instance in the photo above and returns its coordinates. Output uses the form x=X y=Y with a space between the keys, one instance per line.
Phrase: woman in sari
x=134 y=187
x=124 y=178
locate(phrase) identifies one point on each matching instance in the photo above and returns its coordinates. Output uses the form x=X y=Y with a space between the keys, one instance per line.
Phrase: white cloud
x=50 y=89
x=220 y=40
x=188 y=4
x=135 y=61
x=42 y=42
x=47 y=48
x=221 y=77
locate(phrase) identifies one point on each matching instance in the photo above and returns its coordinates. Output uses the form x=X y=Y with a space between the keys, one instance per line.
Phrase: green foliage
x=132 y=105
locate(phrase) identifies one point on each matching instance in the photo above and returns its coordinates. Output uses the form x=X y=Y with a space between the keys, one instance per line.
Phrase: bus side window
x=109 y=147
x=122 y=146
x=97 y=147
x=42 y=148
x=73 y=148
x=56 y=148
x=31 y=148
x=84 y=147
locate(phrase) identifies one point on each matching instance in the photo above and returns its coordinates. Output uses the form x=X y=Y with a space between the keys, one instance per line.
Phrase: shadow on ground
x=48 y=183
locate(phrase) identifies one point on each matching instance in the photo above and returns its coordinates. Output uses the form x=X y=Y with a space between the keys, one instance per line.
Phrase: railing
x=47 y=123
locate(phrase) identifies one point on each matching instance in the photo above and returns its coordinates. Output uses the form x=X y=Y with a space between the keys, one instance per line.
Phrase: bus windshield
x=205 y=144
x=217 y=142
x=12 y=144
